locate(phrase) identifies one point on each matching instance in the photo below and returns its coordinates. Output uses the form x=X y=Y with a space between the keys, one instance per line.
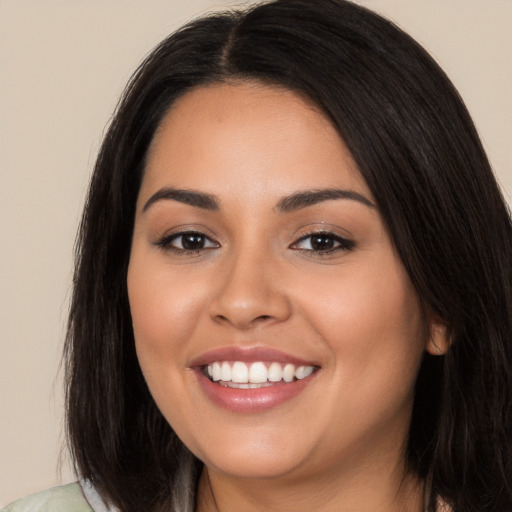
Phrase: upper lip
x=247 y=355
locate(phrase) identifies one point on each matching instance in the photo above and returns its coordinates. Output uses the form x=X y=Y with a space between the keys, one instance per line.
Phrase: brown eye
x=323 y=242
x=187 y=241
x=191 y=241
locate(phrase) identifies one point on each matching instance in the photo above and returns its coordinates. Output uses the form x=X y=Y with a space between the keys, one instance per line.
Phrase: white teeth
x=303 y=371
x=275 y=372
x=246 y=385
x=288 y=372
x=225 y=371
x=258 y=373
x=244 y=376
x=239 y=372
x=215 y=371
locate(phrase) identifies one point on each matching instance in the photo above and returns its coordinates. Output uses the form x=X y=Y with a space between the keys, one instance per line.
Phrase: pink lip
x=248 y=355
x=249 y=400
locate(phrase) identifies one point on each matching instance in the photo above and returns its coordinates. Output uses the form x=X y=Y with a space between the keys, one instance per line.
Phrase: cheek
x=165 y=309
x=371 y=320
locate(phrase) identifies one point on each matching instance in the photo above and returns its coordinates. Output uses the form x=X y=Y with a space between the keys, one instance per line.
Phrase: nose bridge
x=248 y=292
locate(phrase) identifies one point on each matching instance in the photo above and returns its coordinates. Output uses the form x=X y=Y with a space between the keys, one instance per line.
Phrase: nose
x=248 y=293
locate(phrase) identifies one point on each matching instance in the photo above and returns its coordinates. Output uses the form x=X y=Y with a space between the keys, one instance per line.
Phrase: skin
x=257 y=281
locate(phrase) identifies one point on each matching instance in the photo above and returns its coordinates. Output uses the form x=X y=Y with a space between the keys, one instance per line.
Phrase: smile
x=252 y=379
x=241 y=375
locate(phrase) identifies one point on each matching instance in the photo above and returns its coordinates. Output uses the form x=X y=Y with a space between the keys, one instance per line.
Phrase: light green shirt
x=65 y=498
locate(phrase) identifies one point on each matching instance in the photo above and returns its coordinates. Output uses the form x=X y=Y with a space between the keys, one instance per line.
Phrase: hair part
x=417 y=149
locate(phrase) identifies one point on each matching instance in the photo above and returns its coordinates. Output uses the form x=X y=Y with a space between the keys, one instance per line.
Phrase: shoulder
x=65 y=498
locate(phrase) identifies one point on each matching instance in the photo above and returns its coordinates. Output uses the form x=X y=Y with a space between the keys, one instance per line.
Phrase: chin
x=255 y=468
x=260 y=457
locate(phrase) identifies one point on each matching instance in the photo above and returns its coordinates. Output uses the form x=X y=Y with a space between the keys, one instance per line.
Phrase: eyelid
x=165 y=242
x=344 y=243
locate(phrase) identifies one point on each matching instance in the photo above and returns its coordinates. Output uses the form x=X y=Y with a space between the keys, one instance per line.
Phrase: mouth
x=252 y=380
x=255 y=375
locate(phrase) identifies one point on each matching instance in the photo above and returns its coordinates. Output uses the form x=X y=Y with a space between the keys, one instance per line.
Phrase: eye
x=322 y=242
x=187 y=241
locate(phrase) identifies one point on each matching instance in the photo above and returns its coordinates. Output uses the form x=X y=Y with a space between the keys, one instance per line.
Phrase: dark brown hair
x=417 y=149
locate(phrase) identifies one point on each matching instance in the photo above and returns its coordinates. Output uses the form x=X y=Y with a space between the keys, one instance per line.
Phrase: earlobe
x=439 y=339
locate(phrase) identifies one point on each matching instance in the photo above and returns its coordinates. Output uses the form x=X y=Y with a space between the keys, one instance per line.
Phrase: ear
x=439 y=339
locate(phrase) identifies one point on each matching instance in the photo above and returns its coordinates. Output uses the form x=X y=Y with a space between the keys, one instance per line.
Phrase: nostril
x=248 y=309
x=261 y=317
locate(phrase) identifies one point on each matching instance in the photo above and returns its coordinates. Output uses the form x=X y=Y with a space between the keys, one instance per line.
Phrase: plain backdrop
x=63 y=65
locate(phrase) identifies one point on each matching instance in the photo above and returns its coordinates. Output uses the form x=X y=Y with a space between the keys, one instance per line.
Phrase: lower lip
x=252 y=400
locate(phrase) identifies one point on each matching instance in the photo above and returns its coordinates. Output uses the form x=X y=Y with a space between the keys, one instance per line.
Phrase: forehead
x=247 y=136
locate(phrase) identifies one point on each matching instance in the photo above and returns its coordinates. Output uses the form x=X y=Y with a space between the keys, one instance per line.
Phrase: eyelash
x=166 y=243
x=343 y=244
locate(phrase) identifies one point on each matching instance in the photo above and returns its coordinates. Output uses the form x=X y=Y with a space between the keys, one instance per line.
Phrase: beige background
x=62 y=67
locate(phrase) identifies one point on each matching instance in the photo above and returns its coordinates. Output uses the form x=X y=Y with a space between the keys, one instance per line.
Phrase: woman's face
x=259 y=256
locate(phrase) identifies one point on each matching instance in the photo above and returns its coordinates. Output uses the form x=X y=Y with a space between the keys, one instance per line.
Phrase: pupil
x=193 y=241
x=322 y=243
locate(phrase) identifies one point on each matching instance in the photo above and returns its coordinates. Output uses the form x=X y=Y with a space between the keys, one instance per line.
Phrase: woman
x=293 y=279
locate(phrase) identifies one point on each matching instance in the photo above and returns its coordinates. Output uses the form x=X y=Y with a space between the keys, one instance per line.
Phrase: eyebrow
x=287 y=204
x=190 y=197
x=307 y=198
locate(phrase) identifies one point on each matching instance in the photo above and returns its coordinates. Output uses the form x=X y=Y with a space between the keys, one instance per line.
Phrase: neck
x=381 y=490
